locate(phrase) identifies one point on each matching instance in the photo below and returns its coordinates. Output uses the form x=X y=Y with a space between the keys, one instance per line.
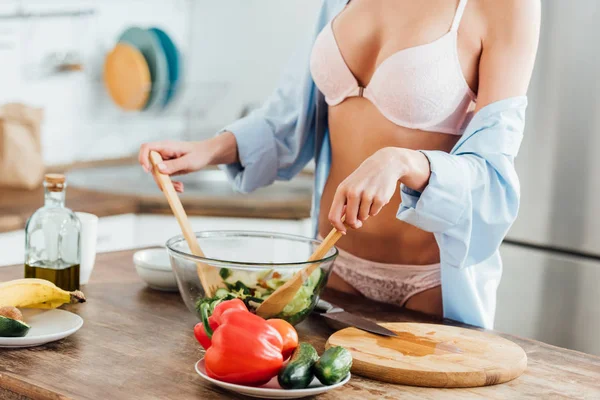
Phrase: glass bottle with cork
x=52 y=238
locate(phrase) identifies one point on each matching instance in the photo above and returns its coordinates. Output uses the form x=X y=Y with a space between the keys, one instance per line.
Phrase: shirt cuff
x=444 y=200
x=257 y=152
x=409 y=196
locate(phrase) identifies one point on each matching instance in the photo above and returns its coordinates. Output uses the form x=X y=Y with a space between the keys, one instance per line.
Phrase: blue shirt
x=469 y=204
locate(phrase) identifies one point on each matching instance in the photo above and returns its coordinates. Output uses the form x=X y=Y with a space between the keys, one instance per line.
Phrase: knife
x=341 y=317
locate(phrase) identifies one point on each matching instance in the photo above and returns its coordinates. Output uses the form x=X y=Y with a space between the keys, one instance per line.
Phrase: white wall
x=234 y=51
x=247 y=43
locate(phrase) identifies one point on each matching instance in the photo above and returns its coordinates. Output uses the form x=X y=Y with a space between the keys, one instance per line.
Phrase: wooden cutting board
x=432 y=355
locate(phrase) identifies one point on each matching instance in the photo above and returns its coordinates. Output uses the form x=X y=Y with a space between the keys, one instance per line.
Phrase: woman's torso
x=367 y=33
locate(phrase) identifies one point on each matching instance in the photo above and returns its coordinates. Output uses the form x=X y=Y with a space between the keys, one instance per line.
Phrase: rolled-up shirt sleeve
x=472 y=197
x=257 y=152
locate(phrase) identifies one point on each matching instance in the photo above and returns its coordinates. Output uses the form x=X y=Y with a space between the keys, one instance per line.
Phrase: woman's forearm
x=223 y=149
x=416 y=167
x=371 y=186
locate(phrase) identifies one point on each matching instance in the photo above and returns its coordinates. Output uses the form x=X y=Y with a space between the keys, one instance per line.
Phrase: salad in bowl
x=251 y=265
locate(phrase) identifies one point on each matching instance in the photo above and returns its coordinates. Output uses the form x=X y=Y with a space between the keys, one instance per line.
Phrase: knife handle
x=326 y=307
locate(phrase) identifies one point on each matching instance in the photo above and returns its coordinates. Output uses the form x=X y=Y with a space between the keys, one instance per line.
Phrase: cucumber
x=297 y=374
x=333 y=366
x=221 y=293
x=12 y=328
x=303 y=302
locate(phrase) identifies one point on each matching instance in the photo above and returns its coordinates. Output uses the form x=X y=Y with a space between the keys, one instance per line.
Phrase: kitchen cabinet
x=128 y=231
x=116 y=233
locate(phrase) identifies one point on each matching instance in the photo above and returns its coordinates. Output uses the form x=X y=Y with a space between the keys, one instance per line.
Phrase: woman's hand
x=371 y=186
x=185 y=157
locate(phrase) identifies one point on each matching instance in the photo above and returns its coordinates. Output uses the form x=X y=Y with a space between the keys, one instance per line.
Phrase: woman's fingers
x=143 y=156
x=174 y=166
x=368 y=189
x=345 y=202
x=365 y=207
x=337 y=210
x=353 y=198
x=167 y=149
x=178 y=186
x=163 y=148
x=378 y=203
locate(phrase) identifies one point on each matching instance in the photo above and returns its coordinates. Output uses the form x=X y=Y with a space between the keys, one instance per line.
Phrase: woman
x=414 y=112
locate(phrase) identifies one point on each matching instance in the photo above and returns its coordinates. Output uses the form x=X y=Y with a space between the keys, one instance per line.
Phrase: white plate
x=46 y=326
x=271 y=390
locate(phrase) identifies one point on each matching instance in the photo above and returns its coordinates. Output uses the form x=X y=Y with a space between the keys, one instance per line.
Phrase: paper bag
x=21 y=162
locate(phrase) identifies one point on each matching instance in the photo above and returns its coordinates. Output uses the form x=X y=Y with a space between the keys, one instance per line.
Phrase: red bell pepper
x=235 y=304
x=201 y=335
x=288 y=334
x=245 y=348
x=215 y=319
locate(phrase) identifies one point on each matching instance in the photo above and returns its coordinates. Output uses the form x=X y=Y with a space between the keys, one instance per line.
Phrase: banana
x=36 y=293
x=46 y=306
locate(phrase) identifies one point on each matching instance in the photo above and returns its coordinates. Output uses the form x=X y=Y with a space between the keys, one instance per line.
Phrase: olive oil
x=65 y=276
x=52 y=238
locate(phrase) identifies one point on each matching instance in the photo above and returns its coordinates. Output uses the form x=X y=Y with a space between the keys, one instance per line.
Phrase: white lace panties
x=387 y=283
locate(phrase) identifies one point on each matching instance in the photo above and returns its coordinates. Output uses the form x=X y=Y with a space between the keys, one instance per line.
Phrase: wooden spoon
x=280 y=298
x=209 y=275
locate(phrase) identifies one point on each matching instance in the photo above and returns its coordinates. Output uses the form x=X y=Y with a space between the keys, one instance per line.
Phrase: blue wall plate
x=149 y=45
x=173 y=61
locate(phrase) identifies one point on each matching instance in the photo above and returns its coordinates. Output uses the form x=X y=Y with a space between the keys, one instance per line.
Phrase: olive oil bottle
x=66 y=278
x=52 y=238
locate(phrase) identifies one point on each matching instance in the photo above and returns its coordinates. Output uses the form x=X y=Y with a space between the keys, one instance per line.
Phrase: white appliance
x=550 y=289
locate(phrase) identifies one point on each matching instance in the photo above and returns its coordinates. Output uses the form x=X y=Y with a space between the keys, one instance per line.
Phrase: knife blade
x=347 y=319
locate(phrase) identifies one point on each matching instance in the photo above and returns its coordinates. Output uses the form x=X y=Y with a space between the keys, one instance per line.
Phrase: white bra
x=421 y=87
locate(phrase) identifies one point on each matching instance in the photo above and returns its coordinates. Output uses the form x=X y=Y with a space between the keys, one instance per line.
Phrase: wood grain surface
x=137 y=343
x=432 y=355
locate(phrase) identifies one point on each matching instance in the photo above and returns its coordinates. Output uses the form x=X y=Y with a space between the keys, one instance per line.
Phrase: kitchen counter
x=16 y=206
x=137 y=343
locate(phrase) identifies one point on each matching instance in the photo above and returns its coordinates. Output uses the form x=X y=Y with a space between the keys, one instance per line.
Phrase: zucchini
x=333 y=366
x=297 y=374
x=12 y=327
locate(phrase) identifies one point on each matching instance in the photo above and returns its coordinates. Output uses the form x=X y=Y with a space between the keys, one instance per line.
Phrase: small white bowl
x=154 y=267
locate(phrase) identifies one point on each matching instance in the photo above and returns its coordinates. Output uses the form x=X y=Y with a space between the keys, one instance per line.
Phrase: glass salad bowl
x=251 y=265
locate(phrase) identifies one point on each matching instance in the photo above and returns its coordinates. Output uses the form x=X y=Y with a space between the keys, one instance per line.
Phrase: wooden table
x=137 y=343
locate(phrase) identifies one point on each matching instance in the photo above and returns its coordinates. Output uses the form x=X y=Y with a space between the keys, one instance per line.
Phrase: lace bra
x=421 y=87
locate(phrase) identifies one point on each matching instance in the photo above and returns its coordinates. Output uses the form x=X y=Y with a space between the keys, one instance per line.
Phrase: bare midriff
x=357 y=130
x=367 y=32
